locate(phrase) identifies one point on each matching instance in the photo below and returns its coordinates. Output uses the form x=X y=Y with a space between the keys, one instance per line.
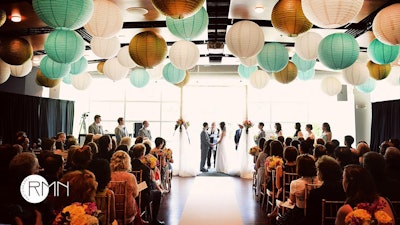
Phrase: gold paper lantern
x=185 y=81
x=148 y=49
x=287 y=75
x=288 y=17
x=41 y=80
x=100 y=67
x=378 y=72
x=178 y=9
x=16 y=51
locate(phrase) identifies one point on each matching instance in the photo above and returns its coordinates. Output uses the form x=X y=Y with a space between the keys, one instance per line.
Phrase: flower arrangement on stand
x=255 y=150
x=248 y=124
x=273 y=162
x=168 y=153
x=181 y=122
x=369 y=213
x=78 y=214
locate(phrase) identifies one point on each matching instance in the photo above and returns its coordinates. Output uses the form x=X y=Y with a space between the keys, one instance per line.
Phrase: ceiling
x=222 y=14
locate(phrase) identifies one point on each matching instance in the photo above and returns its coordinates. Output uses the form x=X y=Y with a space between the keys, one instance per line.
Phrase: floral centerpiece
x=78 y=214
x=168 y=153
x=369 y=213
x=255 y=150
x=273 y=162
x=181 y=122
x=150 y=161
x=247 y=124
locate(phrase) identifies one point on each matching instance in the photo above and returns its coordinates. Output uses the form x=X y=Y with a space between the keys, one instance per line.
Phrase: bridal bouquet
x=248 y=124
x=78 y=214
x=273 y=161
x=150 y=161
x=369 y=213
x=168 y=153
x=254 y=150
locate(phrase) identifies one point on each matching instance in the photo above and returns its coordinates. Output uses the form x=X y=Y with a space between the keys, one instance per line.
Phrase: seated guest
x=81 y=158
x=330 y=148
x=361 y=149
x=392 y=158
x=383 y=146
x=348 y=141
x=150 y=193
x=93 y=147
x=344 y=156
x=104 y=145
x=53 y=166
x=71 y=140
x=360 y=188
x=305 y=147
x=319 y=151
x=60 y=140
x=330 y=173
x=88 y=138
x=126 y=141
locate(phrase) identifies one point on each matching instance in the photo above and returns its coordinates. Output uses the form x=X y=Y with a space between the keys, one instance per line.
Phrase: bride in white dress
x=222 y=161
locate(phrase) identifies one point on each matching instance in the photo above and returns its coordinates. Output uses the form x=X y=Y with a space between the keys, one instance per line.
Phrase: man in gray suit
x=205 y=146
x=144 y=131
x=95 y=127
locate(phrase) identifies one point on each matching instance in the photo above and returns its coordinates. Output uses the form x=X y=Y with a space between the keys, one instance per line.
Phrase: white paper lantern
x=21 y=70
x=105 y=47
x=331 y=86
x=124 y=58
x=259 y=79
x=156 y=72
x=106 y=21
x=386 y=26
x=115 y=71
x=81 y=81
x=245 y=39
x=250 y=61
x=4 y=71
x=306 y=45
x=184 y=54
x=356 y=74
x=331 y=13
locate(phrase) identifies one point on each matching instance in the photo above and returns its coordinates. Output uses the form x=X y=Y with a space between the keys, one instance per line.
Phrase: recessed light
x=259 y=8
x=16 y=18
x=137 y=10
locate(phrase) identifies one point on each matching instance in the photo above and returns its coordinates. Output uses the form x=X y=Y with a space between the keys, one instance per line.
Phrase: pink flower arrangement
x=369 y=213
x=248 y=124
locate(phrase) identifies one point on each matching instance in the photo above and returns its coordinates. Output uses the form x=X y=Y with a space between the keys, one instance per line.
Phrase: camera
x=86 y=114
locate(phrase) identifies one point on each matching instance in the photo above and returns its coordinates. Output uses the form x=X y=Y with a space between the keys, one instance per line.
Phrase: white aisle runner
x=211 y=201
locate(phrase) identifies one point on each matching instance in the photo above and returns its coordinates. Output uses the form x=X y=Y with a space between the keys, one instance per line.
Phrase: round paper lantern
x=81 y=81
x=106 y=21
x=306 y=75
x=100 y=67
x=386 y=25
x=4 y=71
x=64 y=45
x=105 y=47
x=114 y=70
x=303 y=65
x=259 y=79
x=15 y=51
x=71 y=14
x=288 y=17
x=21 y=70
x=41 y=80
x=356 y=74
x=273 y=57
x=287 y=75
x=331 y=13
x=156 y=72
x=79 y=66
x=67 y=79
x=177 y=9
x=245 y=39
x=250 y=61
x=381 y=53
x=184 y=54
x=189 y=27
x=147 y=49
x=394 y=78
x=139 y=77
x=378 y=72
x=185 y=81
x=246 y=71
x=368 y=86
x=306 y=45
x=331 y=86
x=52 y=69
x=124 y=58
x=338 y=51
x=173 y=74
x=3 y=17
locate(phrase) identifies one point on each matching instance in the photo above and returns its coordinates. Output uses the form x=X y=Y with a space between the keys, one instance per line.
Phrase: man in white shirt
x=120 y=131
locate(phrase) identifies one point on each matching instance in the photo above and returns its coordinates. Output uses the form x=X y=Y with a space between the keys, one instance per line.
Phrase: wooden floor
x=173 y=203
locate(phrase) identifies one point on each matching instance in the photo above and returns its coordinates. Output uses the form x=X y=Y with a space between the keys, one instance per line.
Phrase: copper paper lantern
x=148 y=49
x=386 y=26
x=287 y=75
x=16 y=51
x=378 y=72
x=288 y=17
x=178 y=9
x=41 y=80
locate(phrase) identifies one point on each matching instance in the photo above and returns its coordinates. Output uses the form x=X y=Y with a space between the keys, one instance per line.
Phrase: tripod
x=82 y=124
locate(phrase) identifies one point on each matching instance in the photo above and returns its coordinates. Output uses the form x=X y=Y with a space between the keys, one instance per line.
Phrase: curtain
x=385 y=122
x=56 y=116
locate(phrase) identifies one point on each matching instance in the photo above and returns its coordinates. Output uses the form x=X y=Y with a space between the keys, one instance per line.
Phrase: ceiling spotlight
x=259 y=8
x=16 y=18
x=137 y=10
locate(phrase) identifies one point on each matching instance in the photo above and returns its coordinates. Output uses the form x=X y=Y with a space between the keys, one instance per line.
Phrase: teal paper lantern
x=190 y=27
x=306 y=75
x=52 y=69
x=368 y=86
x=64 y=45
x=381 y=53
x=338 y=51
x=79 y=66
x=173 y=74
x=246 y=71
x=273 y=57
x=67 y=79
x=303 y=65
x=139 y=77
x=71 y=14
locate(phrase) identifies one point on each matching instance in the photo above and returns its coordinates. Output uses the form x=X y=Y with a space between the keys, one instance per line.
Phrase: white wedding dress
x=227 y=157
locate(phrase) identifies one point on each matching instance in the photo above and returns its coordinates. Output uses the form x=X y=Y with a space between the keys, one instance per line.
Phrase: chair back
x=103 y=203
x=309 y=187
x=396 y=210
x=271 y=194
x=119 y=188
x=329 y=211
x=138 y=175
x=287 y=178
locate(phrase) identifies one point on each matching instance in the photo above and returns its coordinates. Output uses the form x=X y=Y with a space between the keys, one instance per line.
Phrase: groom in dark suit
x=204 y=146
x=238 y=133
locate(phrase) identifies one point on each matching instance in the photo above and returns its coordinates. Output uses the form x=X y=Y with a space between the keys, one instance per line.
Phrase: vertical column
x=363 y=115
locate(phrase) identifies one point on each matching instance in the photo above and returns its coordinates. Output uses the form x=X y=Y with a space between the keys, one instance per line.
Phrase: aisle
x=212 y=200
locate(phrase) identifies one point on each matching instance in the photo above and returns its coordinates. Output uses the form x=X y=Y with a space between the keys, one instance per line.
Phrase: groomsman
x=96 y=127
x=238 y=133
x=144 y=131
x=120 y=131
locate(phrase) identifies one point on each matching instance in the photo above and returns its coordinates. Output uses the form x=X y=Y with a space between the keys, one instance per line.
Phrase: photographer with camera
x=96 y=127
